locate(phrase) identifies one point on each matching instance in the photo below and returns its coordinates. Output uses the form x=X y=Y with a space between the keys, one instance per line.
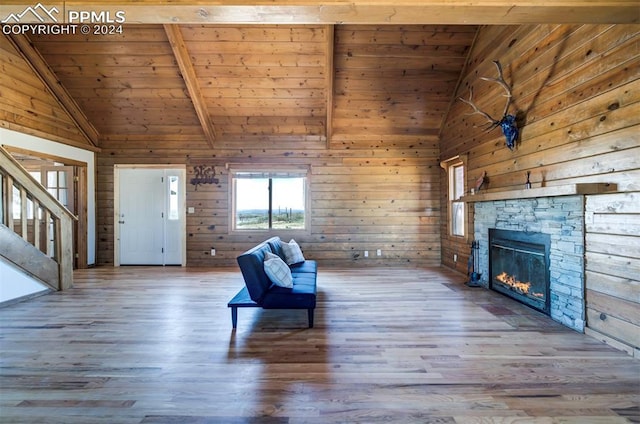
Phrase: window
x=269 y=200
x=456 y=189
x=174 y=197
x=455 y=168
x=58 y=180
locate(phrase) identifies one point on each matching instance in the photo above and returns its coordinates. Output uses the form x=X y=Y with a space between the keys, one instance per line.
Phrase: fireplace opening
x=519 y=266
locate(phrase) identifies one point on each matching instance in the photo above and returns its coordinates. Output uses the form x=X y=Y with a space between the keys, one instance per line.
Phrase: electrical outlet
x=379 y=252
x=366 y=253
x=213 y=252
x=455 y=257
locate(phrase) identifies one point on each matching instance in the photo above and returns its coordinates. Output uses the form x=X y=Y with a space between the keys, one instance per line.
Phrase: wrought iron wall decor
x=204 y=174
x=508 y=122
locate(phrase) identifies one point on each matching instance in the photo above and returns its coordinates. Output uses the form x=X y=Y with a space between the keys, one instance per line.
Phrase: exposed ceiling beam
x=189 y=75
x=329 y=30
x=496 y=12
x=53 y=84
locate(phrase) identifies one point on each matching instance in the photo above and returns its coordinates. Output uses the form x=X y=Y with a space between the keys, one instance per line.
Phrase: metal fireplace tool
x=472 y=264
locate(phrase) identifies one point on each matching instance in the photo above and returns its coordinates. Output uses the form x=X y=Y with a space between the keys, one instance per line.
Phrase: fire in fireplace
x=512 y=282
x=519 y=266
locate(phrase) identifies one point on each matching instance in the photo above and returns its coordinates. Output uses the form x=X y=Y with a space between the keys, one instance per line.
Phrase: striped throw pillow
x=292 y=252
x=278 y=272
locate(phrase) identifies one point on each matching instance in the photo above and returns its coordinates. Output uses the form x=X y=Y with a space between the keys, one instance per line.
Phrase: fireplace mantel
x=552 y=191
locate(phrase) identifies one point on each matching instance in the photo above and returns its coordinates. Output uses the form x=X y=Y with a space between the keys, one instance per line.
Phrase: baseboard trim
x=25 y=298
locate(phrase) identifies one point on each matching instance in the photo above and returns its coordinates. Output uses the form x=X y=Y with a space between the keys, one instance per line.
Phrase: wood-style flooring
x=155 y=345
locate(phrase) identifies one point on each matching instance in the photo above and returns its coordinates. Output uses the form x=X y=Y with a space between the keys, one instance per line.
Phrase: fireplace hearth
x=519 y=266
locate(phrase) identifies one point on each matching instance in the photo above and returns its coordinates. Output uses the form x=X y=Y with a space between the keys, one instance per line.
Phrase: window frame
x=450 y=165
x=303 y=171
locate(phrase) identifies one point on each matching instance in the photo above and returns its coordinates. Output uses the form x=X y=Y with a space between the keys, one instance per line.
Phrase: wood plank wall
x=577 y=90
x=26 y=105
x=613 y=269
x=369 y=191
x=375 y=195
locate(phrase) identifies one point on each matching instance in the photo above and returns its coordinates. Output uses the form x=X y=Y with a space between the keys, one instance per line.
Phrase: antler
x=477 y=111
x=500 y=80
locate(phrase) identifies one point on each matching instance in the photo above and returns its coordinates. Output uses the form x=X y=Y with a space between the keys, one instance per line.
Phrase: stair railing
x=33 y=213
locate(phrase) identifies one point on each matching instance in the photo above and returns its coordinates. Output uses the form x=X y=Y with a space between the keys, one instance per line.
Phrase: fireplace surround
x=561 y=219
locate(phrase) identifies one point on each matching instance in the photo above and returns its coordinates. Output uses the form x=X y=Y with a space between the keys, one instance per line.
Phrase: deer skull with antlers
x=508 y=122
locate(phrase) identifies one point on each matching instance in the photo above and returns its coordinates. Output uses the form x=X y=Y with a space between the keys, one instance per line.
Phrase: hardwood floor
x=155 y=345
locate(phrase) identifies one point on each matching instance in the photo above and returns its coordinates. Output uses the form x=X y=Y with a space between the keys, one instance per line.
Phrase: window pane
x=456 y=190
x=174 y=213
x=288 y=203
x=52 y=179
x=63 y=197
x=62 y=179
x=264 y=200
x=458 y=178
x=457 y=218
x=252 y=203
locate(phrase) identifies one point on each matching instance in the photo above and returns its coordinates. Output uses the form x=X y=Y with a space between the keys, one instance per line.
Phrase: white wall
x=37 y=144
x=15 y=283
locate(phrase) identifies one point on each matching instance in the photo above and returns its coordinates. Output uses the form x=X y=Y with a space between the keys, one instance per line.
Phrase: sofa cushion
x=252 y=268
x=292 y=253
x=308 y=266
x=278 y=272
x=276 y=247
x=301 y=296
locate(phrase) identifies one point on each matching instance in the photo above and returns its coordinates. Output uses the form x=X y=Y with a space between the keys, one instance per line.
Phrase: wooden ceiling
x=256 y=82
x=275 y=69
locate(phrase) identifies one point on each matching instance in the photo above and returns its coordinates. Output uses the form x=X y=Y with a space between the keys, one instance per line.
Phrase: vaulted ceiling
x=256 y=82
x=275 y=69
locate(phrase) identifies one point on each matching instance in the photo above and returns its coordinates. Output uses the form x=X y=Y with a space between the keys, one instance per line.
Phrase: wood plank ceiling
x=210 y=83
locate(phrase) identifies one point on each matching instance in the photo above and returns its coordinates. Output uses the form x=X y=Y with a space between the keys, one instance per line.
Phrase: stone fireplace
x=560 y=220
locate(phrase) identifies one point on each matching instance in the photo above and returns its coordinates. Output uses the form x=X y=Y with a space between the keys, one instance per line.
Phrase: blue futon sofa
x=260 y=291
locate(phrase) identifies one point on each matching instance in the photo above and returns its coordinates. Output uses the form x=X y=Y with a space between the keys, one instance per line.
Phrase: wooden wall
x=363 y=198
x=577 y=90
x=374 y=188
x=613 y=269
x=26 y=105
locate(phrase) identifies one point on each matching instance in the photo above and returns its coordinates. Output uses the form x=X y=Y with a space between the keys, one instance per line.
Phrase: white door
x=150 y=216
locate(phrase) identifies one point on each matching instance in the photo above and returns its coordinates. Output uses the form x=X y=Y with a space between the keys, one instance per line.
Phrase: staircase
x=36 y=231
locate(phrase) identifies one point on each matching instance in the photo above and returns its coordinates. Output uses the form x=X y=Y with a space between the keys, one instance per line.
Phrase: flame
x=519 y=286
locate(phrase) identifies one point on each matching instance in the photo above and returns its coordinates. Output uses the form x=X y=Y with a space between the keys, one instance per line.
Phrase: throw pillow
x=278 y=272
x=292 y=252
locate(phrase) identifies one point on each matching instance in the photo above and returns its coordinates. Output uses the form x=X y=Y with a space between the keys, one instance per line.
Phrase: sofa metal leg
x=310 y=315
x=234 y=316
